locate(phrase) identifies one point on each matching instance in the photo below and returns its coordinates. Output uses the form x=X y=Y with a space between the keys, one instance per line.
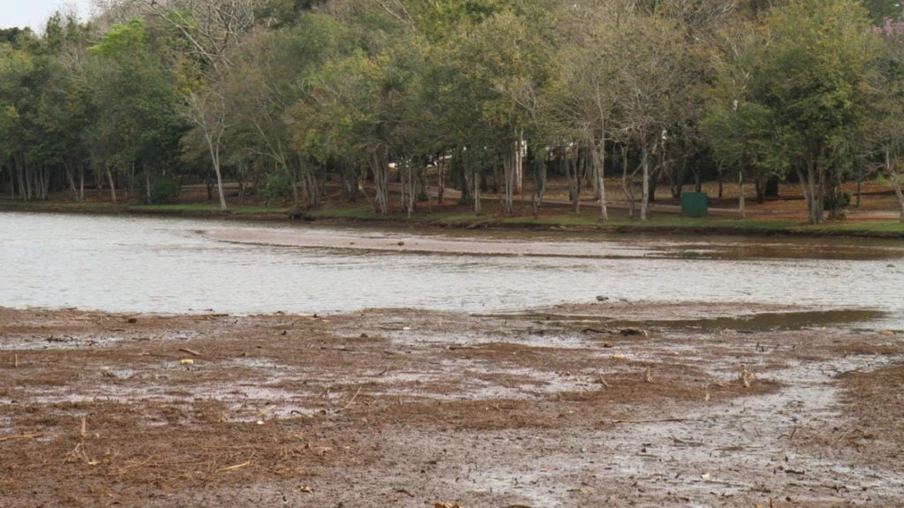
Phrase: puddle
x=770 y=321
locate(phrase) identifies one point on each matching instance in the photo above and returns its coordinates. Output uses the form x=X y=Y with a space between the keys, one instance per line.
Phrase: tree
x=504 y=65
x=137 y=126
x=42 y=114
x=807 y=75
x=584 y=99
x=652 y=80
x=884 y=125
x=210 y=28
x=740 y=133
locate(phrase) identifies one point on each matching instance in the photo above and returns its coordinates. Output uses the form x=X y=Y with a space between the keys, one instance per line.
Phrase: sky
x=34 y=13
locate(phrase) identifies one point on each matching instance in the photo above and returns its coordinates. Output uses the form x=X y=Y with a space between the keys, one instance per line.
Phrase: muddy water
x=131 y=264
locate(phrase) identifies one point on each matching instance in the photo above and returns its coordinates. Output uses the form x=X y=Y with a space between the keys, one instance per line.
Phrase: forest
x=283 y=96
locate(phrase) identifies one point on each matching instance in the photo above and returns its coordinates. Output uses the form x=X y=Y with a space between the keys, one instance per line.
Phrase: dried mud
x=619 y=404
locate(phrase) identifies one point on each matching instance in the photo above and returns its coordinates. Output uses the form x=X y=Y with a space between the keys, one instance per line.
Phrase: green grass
x=884 y=227
x=552 y=218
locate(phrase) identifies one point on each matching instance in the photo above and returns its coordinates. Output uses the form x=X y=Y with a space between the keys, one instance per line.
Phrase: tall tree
x=137 y=125
x=653 y=78
x=884 y=125
x=807 y=73
x=584 y=98
x=505 y=68
x=211 y=28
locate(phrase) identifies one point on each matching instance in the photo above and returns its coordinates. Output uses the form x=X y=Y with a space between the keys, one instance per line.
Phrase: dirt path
x=588 y=405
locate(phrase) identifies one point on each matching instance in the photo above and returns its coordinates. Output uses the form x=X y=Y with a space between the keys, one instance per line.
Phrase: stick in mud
x=233 y=468
x=353 y=399
x=19 y=436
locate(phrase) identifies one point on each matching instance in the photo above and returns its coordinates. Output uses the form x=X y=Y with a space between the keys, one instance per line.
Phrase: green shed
x=693 y=204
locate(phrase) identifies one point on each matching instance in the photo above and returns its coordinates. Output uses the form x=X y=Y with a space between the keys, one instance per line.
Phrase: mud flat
x=612 y=404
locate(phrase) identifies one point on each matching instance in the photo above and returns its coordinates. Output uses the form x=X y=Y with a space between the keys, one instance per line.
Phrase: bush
x=162 y=188
x=838 y=200
x=278 y=186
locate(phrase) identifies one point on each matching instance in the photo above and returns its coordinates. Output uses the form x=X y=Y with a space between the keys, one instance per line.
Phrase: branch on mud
x=19 y=436
x=664 y=420
x=349 y=404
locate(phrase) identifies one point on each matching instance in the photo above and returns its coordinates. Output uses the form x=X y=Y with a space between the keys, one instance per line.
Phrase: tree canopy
x=284 y=96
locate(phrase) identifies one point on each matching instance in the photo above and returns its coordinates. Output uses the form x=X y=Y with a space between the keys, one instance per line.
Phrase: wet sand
x=609 y=404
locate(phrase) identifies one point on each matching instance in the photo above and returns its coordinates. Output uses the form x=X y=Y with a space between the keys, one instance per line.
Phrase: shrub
x=162 y=188
x=278 y=186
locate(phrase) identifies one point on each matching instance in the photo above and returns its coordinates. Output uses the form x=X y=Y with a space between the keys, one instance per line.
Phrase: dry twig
x=233 y=468
x=19 y=436
x=348 y=405
x=189 y=351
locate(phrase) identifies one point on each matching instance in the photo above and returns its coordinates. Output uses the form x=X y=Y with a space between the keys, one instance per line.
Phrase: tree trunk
x=645 y=197
x=519 y=162
x=894 y=178
x=412 y=187
x=599 y=164
x=112 y=184
x=292 y=173
x=379 y=166
x=22 y=173
x=441 y=180
x=461 y=174
x=70 y=179
x=476 y=194
x=12 y=184
x=626 y=188
x=579 y=170
x=742 y=208
x=508 y=169
x=215 y=158
x=805 y=191
x=539 y=182
x=813 y=192
x=81 y=183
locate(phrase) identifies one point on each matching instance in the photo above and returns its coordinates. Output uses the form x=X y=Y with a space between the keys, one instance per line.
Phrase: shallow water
x=171 y=265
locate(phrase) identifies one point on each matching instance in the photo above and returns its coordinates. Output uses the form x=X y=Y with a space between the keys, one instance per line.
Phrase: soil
x=612 y=404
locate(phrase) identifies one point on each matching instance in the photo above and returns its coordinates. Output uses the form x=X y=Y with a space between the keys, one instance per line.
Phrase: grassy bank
x=551 y=217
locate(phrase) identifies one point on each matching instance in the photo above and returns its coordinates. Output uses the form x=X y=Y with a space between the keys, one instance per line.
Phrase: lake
x=176 y=265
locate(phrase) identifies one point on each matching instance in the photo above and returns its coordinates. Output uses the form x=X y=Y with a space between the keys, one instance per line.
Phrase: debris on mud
x=412 y=408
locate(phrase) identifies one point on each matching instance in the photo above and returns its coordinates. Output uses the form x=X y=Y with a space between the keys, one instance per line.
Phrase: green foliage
x=282 y=13
x=839 y=199
x=353 y=84
x=795 y=94
x=158 y=189
x=880 y=10
x=278 y=186
x=122 y=41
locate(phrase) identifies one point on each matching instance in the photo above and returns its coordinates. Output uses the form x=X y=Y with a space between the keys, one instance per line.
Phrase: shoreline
x=663 y=222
